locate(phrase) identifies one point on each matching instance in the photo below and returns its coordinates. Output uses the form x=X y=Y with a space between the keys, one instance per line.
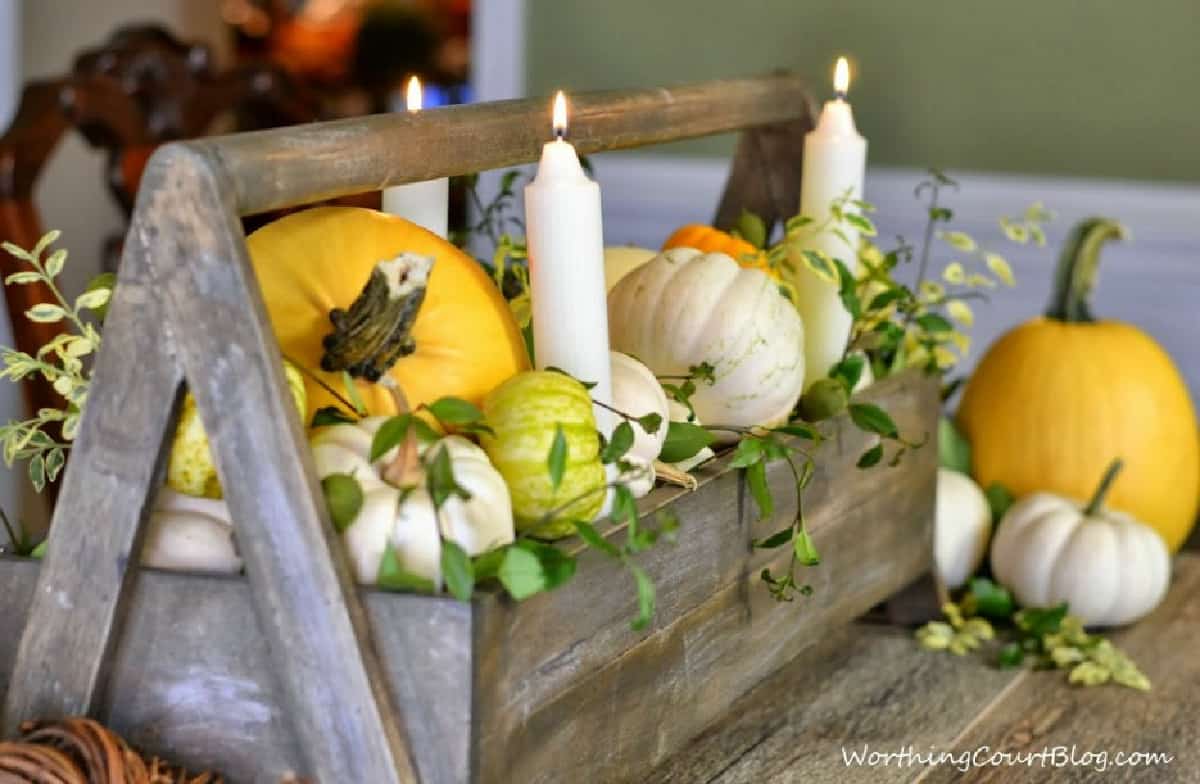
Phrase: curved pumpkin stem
x=1075 y=276
x=1106 y=482
x=405 y=468
x=370 y=336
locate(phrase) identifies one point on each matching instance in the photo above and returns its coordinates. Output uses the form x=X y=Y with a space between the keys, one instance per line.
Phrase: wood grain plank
x=195 y=682
x=117 y=457
x=869 y=687
x=860 y=685
x=307 y=163
x=764 y=177
x=1045 y=712
x=335 y=684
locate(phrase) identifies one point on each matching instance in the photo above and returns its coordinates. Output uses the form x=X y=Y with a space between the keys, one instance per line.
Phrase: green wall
x=1080 y=87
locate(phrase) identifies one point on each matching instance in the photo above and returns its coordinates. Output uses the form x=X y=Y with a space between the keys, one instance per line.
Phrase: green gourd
x=525 y=413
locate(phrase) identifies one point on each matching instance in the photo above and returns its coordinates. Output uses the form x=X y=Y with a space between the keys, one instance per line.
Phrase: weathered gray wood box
x=294 y=669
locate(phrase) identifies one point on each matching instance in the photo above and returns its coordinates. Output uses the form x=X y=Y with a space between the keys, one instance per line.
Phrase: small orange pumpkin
x=709 y=240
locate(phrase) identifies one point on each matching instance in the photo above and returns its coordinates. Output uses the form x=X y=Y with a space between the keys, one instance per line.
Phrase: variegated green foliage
x=793 y=247
x=43 y=439
x=925 y=325
x=899 y=326
x=1044 y=638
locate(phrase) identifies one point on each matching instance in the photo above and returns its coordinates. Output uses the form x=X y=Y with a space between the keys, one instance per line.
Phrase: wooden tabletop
x=870 y=688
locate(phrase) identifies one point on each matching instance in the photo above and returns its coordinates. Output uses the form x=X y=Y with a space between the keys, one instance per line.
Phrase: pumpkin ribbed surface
x=686 y=308
x=310 y=262
x=1109 y=568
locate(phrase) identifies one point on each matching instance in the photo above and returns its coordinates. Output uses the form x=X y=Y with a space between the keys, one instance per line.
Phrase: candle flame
x=412 y=95
x=559 y=115
x=841 y=76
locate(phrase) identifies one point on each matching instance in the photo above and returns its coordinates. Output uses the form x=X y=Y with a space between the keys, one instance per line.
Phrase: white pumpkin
x=684 y=308
x=410 y=525
x=620 y=260
x=636 y=392
x=963 y=526
x=639 y=477
x=1109 y=568
x=188 y=533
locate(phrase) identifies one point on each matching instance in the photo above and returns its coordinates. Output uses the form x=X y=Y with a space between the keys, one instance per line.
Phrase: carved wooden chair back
x=139 y=89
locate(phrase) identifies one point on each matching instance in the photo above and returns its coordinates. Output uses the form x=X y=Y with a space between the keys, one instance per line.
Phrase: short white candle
x=566 y=268
x=835 y=162
x=424 y=203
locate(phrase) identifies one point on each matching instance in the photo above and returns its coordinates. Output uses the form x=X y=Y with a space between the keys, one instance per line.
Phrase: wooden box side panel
x=193 y=677
x=569 y=687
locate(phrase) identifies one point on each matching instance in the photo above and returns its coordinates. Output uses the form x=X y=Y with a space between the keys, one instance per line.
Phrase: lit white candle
x=424 y=203
x=566 y=268
x=835 y=161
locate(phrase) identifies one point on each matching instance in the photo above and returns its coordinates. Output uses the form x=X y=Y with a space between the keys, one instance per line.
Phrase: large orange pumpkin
x=464 y=339
x=1055 y=400
x=710 y=240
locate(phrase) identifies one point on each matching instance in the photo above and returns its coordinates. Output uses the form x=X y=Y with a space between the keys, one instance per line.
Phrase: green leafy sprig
x=898 y=326
x=44 y=439
x=1043 y=638
x=681 y=392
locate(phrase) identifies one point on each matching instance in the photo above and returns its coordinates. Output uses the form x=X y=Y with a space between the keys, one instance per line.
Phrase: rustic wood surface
x=869 y=685
x=281 y=168
x=194 y=680
x=120 y=451
x=334 y=683
x=764 y=176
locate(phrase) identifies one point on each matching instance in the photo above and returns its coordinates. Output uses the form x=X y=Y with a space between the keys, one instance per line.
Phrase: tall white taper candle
x=424 y=203
x=565 y=238
x=835 y=161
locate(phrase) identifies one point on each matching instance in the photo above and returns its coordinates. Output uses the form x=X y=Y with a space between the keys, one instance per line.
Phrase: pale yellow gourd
x=190 y=534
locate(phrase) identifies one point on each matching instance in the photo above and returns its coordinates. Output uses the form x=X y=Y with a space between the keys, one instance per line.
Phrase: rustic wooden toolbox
x=293 y=668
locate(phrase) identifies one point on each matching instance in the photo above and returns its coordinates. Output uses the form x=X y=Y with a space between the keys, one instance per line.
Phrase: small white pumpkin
x=409 y=522
x=1109 y=568
x=639 y=477
x=684 y=308
x=192 y=534
x=964 y=524
x=636 y=392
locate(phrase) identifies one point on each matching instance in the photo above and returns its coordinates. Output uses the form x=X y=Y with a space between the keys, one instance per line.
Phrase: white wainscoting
x=1152 y=281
